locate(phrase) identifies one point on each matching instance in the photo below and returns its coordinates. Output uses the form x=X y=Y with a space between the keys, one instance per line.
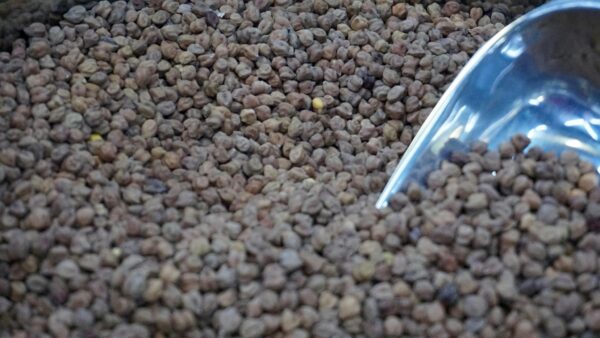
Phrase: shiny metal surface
x=539 y=76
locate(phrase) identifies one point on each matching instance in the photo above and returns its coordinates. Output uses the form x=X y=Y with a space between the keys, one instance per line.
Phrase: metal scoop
x=539 y=76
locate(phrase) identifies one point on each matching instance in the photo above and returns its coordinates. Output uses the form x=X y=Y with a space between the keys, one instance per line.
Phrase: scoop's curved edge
x=394 y=183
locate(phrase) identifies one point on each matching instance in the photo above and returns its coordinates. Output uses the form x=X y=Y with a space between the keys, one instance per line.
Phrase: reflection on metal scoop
x=539 y=76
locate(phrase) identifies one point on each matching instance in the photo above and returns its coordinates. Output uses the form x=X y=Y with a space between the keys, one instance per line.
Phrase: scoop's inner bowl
x=539 y=77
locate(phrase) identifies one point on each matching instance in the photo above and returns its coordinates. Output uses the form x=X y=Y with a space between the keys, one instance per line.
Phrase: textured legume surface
x=209 y=169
